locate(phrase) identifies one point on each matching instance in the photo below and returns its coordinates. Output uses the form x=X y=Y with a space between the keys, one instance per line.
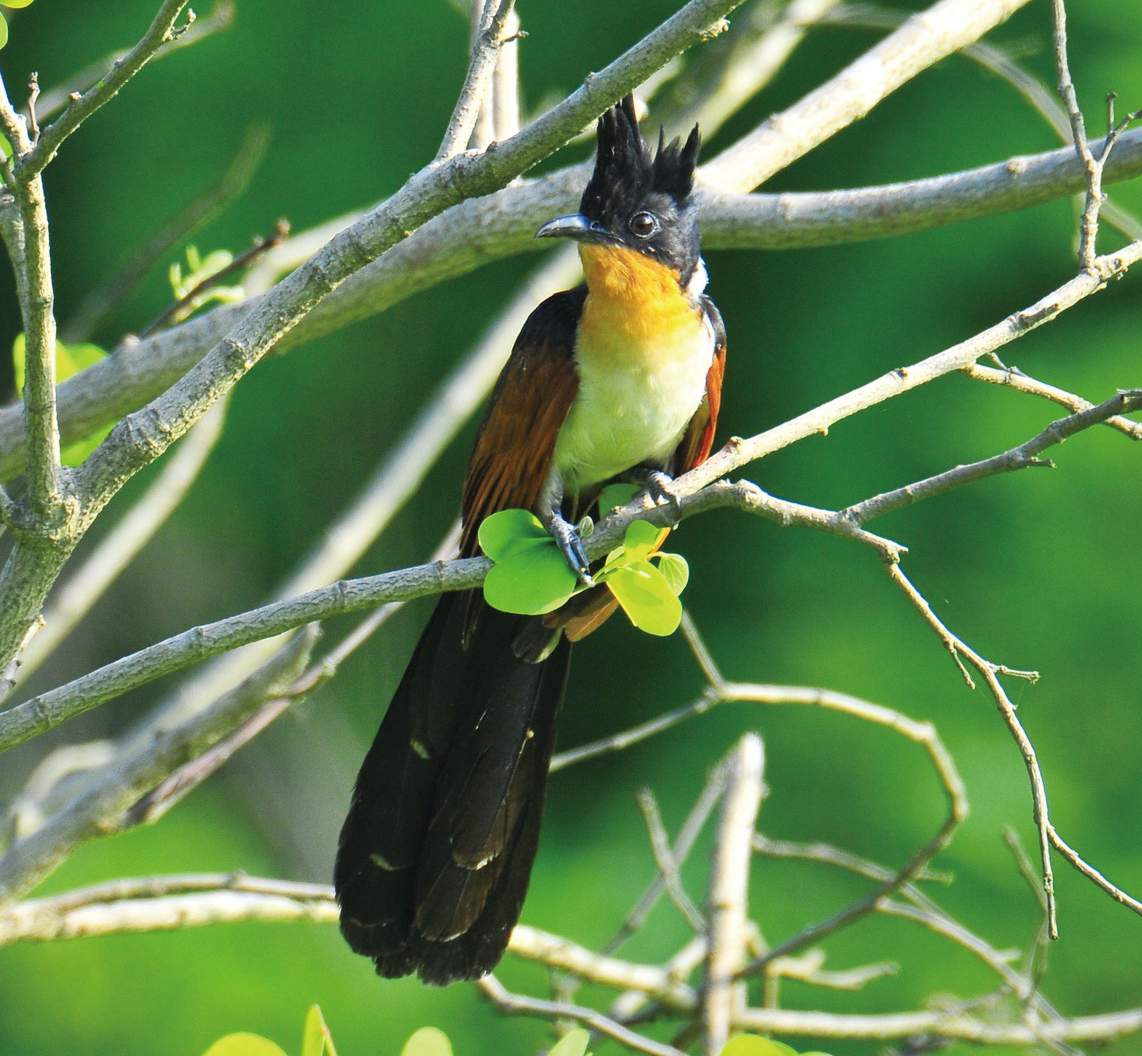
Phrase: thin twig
x=990 y=673
x=1021 y=456
x=1014 y=378
x=478 y=81
x=182 y=307
x=518 y=1004
x=666 y=862
x=53 y=100
x=1094 y=165
x=702 y=655
x=1037 y=957
x=101 y=301
x=687 y=835
x=81 y=105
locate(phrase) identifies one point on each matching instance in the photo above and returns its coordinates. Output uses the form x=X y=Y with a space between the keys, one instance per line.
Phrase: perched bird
x=618 y=379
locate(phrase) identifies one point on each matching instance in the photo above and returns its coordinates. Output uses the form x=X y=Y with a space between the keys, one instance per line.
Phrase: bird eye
x=643 y=224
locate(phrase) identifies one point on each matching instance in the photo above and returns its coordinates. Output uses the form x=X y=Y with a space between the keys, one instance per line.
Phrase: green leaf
x=428 y=1041
x=511 y=531
x=533 y=580
x=646 y=598
x=316 y=1039
x=243 y=1044
x=751 y=1045
x=675 y=571
x=70 y=360
x=640 y=539
x=615 y=495
x=573 y=1043
x=3 y=34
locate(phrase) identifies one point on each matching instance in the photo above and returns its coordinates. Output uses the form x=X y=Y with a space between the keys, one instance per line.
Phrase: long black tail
x=436 y=851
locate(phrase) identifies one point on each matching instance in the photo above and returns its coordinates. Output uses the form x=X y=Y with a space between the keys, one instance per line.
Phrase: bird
x=618 y=379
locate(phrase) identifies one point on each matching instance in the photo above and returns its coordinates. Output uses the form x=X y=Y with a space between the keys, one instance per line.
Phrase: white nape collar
x=697 y=284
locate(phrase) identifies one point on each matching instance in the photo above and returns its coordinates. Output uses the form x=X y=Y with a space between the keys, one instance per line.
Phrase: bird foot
x=570 y=544
x=657 y=484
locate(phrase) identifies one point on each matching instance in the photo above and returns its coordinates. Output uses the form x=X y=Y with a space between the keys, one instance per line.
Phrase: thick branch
x=724 y=999
x=143 y=436
x=923 y=40
x=480 y=230
x=135 y=773
x=42 y=713
x=117 y=549
x=35 y=716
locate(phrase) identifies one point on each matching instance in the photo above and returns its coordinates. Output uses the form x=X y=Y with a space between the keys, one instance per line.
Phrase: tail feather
x=437 y=849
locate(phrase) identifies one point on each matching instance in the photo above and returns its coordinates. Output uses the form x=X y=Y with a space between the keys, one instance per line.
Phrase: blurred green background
x=1036 y=570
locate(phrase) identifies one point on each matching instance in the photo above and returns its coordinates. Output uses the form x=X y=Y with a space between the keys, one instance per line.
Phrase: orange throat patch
x=632 y=295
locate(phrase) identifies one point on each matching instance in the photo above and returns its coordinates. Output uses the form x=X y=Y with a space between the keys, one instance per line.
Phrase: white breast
x=636 y=397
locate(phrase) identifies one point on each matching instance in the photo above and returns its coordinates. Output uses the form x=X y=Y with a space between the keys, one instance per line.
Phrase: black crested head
x=643 y=201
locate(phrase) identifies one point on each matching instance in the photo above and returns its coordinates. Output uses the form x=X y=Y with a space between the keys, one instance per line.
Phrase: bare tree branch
x=53 y=100
x=510 y=1003
x=477 y=83
x=116 y=551
x=81 y=105
x=31 y=858
x=475 y=232
x=1020 y=457
x=1092 y=164
x=1014 y=378
x=924 y=39
x=98 y=304
x=723 y=999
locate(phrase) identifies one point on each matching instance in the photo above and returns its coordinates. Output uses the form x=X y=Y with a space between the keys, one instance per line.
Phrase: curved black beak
x=578 y=227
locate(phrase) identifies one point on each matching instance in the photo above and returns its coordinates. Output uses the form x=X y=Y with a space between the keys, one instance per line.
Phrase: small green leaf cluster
x=531 y=577
x=14 y=4
x=315 y=1041
x=198 y=272
x=70 y=360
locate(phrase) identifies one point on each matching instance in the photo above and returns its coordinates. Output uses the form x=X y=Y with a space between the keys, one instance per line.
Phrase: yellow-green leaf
x=640 y=539
x=531 y=581
x=615 y=495
x=70 y=360
x=573 y=1043
x=3 y=31
x=244 y=1044
x=316 y=1039
x=646 y=598
x=751 y=1045
x=675 y=571
x=15 y=3
x=511 y=531
x=428 y=1041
